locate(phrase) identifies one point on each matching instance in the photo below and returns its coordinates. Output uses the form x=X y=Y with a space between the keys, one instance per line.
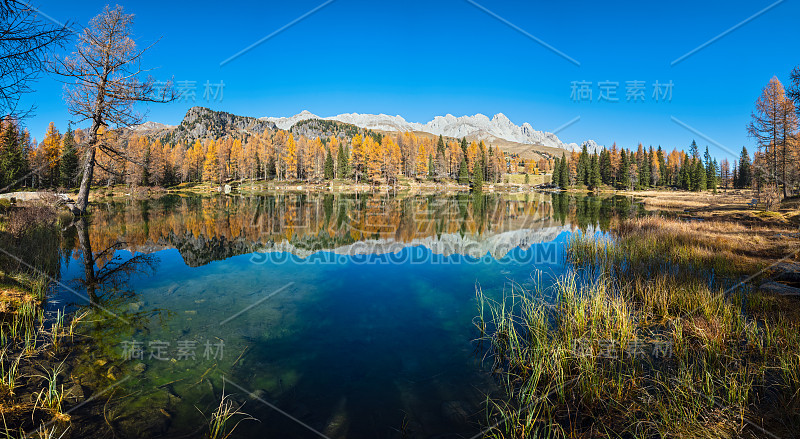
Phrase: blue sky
x=420 y=59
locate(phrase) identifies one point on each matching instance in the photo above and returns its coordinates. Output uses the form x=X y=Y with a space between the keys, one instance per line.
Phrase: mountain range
x=497 y=131
x=477 y=127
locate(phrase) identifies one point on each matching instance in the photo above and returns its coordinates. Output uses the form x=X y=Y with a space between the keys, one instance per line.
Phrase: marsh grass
x=225 y=418
x=31 y=240
x=580 y=362
x=53 y=394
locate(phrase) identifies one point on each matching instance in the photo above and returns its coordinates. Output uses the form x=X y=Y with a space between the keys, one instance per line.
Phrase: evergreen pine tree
x=584 y=167
x=713 y=176
x=663 y=177
x=342 y=167
x=686 y=172
x=477 y=177
x=329 y=173
x=605 y=167
x=563 y=174
x=644 y=172
x=693 y=152
x=13 y=162
x=709 y=168
x=556 y=169
x=595 y=180
x=625 y=171
x=699 y=177
x=463 y=172
x=68 y=163
x=745 y=170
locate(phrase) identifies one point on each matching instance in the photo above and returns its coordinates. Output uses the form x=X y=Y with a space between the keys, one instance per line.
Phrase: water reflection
x=363 y=346
x=205 y=229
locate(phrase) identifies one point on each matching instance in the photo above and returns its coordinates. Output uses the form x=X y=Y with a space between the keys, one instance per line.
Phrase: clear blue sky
x=420 y=59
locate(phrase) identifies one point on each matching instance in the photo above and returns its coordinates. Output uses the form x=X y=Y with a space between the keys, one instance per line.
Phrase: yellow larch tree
x=211 y=163
x=374 y=158
x=157 y=164
x=358 y=155
x=421 y=165
x=289 y=159
x=51 y=150
x=392 y=159
x=237 y=159
x=472 y=155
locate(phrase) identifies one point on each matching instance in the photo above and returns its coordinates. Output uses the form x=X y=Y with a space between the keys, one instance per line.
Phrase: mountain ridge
x=523 y=139
x=476 y=127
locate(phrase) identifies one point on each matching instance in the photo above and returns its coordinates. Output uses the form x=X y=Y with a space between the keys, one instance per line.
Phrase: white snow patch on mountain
x=149 y=125
x=479 y=127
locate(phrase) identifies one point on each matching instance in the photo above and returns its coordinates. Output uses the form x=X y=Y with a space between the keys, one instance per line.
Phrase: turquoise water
x=324 y=316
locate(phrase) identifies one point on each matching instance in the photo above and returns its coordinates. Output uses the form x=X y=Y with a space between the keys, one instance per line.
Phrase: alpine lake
x=321 y=315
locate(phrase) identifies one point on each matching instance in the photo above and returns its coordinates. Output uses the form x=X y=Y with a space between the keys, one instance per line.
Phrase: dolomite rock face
x=478 y=127
x=201 y=122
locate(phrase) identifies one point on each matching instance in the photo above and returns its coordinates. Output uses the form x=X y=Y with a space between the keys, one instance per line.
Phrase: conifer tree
x=595 y=179
x=584 y=167
x=644 y=171
x=477 y=177
x=329 y=173
x=13 y=157
x=341 y=162
x=463 y=172
x=68 y=163
x=699 y=176
x=605 y=167
x=664 y=174
x=625 y=171
x=556 y=170
x=563 y=174
x=745 y=179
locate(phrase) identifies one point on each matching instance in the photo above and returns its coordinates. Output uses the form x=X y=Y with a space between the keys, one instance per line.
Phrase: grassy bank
x=33 y=389
x=651 y=335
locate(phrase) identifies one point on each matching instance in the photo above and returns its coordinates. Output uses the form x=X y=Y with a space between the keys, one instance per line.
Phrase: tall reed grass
x=638 y=340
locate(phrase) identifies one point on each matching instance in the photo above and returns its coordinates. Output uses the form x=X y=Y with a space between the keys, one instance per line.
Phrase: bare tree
x=106 y=83
x=25 y=40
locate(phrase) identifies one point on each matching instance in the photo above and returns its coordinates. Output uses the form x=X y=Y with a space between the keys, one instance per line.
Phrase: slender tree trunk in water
x=82 y=225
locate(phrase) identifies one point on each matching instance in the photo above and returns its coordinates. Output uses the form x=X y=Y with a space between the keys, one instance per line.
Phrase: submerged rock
x=139 y=368
x=456 y=412
x=75 y=394
x=259 y=394
x=148 y=422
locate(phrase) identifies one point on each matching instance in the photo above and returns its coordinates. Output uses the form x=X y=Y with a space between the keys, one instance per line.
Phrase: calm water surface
x=342 y=316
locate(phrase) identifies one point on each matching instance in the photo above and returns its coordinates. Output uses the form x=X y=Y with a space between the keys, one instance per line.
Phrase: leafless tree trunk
x=104 y=83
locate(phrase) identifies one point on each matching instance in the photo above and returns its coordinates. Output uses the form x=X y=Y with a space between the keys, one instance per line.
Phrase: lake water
x=325 y=315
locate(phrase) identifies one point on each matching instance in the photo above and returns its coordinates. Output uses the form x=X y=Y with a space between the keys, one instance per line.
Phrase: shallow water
x=336 y=316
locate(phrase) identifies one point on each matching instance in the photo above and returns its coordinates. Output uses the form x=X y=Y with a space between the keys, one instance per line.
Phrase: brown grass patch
x=746 y=246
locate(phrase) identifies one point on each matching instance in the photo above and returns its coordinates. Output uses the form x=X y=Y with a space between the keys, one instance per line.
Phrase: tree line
x=139 y=160
x=643 y=168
